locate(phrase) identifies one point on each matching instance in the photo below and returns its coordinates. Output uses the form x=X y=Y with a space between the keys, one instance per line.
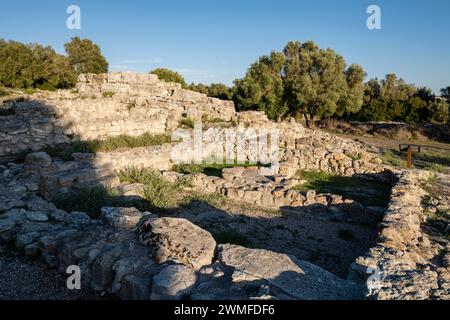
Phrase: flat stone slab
x=121 y=218
x=299 y=279
x=178 y=240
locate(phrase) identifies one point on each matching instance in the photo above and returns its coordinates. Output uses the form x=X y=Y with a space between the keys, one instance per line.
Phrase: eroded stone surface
x=123 y=218
x=299 y=279
x=179 y=240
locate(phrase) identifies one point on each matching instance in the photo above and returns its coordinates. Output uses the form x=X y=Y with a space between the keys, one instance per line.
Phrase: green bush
x=169 y=76
x=159 y=192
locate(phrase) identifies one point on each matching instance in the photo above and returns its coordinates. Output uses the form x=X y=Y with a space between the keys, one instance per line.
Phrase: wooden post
x=409 y=163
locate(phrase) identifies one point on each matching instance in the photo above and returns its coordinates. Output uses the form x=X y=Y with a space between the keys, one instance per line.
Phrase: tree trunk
x=308 y=125
x=312 y=121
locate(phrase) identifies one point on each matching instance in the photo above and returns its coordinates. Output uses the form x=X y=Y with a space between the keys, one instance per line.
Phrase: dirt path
x=21 y=279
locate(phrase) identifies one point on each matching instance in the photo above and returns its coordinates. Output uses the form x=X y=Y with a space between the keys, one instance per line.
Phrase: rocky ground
x=327 y=237
x=24 y=279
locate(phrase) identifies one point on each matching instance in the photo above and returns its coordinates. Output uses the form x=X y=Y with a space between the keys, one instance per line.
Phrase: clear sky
x=216 y=41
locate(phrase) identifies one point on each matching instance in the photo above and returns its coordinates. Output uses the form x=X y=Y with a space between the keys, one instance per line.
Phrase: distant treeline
x=310 y=83
x=35 y=66
x=304 y=81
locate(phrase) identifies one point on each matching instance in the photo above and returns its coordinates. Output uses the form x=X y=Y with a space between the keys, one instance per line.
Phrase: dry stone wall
x=401 y=265
x=103 y=106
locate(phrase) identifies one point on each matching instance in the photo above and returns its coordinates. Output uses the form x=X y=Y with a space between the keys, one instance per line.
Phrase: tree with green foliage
x=51 y=70
x=391 y=99
x=315 y=80
x=262 y=87
x=15 y=61
x=85 y=57
x=220 y=91
x=353 y=98
x=33 y=66
x=169 y=76
x=200 y=87
x=441 y=111
x=445 y=92
x=395 y=89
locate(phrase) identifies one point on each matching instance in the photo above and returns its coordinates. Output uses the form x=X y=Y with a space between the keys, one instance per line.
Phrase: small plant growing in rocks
x=187 y=123
x=390 y=158
x=108 y=94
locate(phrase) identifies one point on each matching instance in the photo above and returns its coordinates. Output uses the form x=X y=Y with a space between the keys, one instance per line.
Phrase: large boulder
x=178 y=240
x=299 y=279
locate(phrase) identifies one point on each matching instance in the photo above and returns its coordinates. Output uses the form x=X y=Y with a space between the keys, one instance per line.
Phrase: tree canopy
x=262 y=87
x=36 y=66
x=85 y=57
x=303 y=80
x=33 y=66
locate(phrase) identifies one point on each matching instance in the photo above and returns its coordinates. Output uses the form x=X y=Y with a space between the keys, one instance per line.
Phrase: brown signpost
x=409 y=162
x=418 y=148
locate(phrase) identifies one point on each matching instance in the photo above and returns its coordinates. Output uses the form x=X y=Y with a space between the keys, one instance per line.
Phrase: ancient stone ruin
x=138 y=254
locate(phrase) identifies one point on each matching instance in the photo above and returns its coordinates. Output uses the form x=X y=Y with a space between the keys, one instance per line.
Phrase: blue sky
x=216 y=41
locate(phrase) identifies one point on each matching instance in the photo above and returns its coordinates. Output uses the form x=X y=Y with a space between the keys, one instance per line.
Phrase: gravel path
x=22 y=279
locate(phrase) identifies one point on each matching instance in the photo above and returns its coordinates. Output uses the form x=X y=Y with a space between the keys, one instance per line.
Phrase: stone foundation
x=401 y=263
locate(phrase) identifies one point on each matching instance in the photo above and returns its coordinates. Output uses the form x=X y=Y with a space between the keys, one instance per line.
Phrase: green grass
x=3 y=92
x=108 y=94
x=162 y=194
x=367 y=192
x=29 y=91
x=187 y=123
x=440 y=158
x=65 y=151
x=354 y=156
x=214 y=170
x=436 y=167
x=92 y=199
x=391 y=159
x=158 y=191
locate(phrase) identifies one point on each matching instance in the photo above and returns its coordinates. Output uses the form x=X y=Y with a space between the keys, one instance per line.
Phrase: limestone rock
x=37 y=216
x=179 y=240
x=174 y=282
x=123 y=218
x=78 y=218
x=297 y=278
